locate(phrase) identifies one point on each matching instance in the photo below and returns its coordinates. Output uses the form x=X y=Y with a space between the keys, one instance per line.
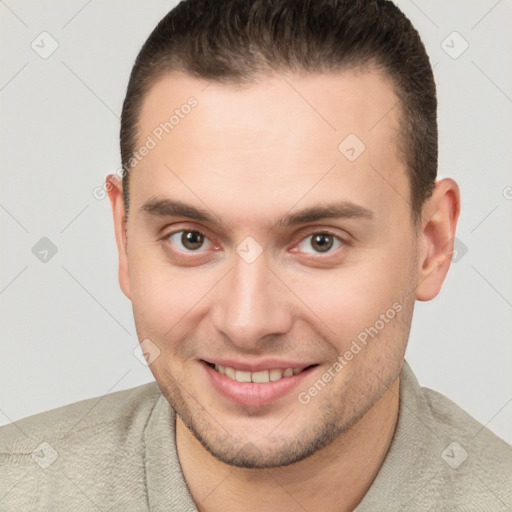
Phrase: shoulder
x=117 y=409
x=440 y=458
x=75 y=446
x=474 y=445
x=475 y=464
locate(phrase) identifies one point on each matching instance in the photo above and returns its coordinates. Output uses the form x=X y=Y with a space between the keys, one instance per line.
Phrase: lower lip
x=254 y=394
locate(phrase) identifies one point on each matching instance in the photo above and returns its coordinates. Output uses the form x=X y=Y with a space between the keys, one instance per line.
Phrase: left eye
x=188 y=241
x=319 y=243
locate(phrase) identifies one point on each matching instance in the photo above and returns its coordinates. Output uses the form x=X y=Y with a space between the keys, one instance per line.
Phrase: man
x=278 y=217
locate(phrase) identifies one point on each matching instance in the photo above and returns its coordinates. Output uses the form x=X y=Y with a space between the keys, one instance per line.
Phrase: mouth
x=261 y=376
x=257 y=388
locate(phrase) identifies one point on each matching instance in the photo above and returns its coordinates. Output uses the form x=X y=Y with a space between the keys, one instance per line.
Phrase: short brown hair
x=240 y=40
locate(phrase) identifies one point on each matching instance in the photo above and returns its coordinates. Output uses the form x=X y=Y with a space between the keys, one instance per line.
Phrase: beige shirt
x=118 y=452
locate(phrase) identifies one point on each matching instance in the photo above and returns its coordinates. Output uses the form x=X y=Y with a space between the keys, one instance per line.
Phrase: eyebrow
x=339 y=210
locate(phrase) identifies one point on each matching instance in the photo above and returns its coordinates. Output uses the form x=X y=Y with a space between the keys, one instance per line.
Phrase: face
x=263 y=239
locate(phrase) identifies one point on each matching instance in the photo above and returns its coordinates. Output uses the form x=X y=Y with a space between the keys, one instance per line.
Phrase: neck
x=335 y=478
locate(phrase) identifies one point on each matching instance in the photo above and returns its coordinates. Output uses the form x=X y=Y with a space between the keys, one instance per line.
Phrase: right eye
x=189 y=240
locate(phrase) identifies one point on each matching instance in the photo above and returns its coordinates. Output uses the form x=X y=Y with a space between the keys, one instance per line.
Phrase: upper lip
x=267 y=364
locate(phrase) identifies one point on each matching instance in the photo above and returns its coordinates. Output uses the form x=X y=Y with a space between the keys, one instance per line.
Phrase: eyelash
x=341 y=241
x=326 y=233
x=204 y=235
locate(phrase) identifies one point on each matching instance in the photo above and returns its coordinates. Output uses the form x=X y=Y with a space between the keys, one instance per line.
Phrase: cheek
x=349 y=300
x=152 y=290
x=165 y=298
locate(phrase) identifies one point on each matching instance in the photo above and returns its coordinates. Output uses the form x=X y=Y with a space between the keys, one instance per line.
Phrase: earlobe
x=440 y=215
x=115 y=194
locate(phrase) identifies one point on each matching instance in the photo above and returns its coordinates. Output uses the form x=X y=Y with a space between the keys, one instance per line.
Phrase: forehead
x=323 y=104
x=272 y=140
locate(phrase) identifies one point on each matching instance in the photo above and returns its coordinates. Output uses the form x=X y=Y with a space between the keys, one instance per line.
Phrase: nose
x=251 y=305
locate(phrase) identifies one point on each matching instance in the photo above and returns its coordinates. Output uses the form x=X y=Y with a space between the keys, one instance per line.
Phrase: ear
x=115 y=195
x=439 y=220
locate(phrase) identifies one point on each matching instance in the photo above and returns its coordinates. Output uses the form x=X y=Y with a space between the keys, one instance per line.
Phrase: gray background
x=67 y=330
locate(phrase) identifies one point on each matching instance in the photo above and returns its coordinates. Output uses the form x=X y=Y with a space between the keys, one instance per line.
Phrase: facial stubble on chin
x=234 y=450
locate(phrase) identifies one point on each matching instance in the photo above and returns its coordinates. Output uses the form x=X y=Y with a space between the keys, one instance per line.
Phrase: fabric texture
x=118 y=452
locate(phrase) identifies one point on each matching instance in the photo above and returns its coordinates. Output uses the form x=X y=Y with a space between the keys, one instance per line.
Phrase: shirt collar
x=414 y=456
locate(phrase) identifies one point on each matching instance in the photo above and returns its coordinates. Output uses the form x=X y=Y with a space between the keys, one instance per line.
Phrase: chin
x=262 y=451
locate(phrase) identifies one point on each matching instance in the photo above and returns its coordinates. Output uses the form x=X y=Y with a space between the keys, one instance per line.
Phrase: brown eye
x=319 y=243
x=322 y=242
x=188 y=240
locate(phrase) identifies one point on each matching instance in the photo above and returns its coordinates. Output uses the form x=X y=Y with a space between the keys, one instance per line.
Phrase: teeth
x=259 y=377
x=242 y=376
x=275 y=374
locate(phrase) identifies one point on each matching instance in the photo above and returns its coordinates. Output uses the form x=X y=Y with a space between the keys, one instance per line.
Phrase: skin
x=250 y=156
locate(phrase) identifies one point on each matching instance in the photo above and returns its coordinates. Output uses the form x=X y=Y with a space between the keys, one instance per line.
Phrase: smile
x=256 y=384
x=260 y=377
